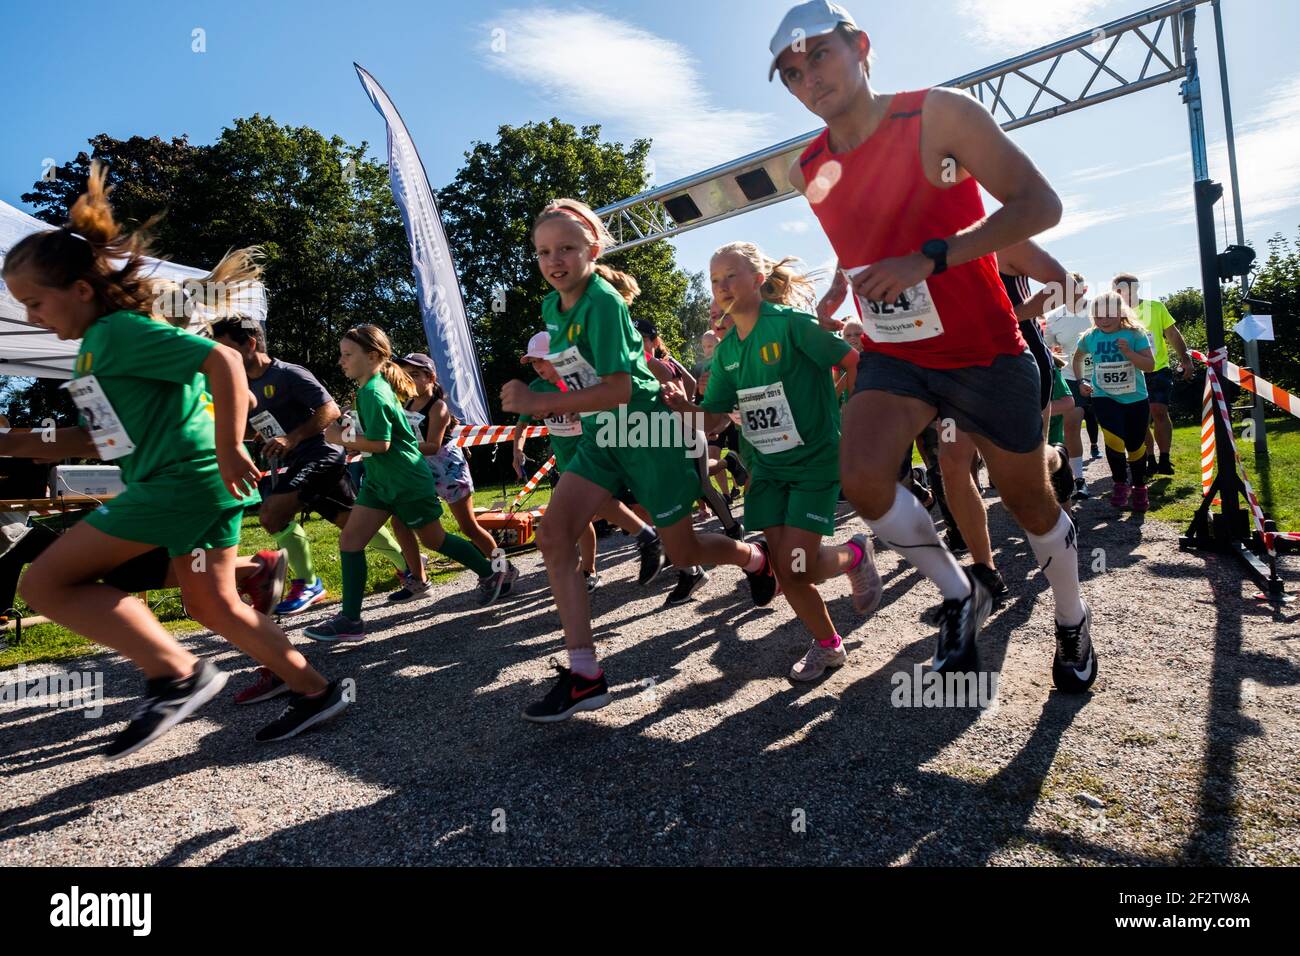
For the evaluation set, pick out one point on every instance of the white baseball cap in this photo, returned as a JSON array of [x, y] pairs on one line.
[[539, 347], [812, 19]]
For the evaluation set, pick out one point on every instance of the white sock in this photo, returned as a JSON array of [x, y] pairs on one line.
[[582, 661], [1058, 556], [909, 530], [1076, 465]]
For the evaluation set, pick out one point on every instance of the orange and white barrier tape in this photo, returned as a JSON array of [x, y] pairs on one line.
[[533, 482], [1253, 383], [474, 435]]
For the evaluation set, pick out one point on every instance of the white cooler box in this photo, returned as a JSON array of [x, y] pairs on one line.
[[97, 481]]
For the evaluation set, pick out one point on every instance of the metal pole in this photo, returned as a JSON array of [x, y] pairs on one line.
[[1252, 348]]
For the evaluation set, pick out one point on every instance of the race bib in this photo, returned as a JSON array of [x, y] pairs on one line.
[[766, 419], [351, 424], [912, 317], [415, 420], [1117, 378], [266, 426], [106, 429], [575, 371], [564, 426], [1087, 365]]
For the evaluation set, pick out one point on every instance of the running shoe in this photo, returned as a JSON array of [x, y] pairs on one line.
[[412, 587], [956, 543], [1151, 465], [593, 580], [166, 703], [508, 582], [1081, 492], [301, 596], [762, 583], [960, 621], [1141, 499], [864, 580], [734, 494], [652, 560], [264, 687], [818, 660], [992, 579], [304, 712], [1096, 452], [1165, 467], [264, 588], [570, 694], [1119, 495], [1062, 475], [1074, 669], [336, 629], [687, 584], [490, 587]]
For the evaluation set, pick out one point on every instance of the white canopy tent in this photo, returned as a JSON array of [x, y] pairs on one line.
[[26, 350]]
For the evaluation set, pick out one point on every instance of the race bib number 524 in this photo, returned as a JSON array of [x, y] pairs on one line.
[[911, 317]]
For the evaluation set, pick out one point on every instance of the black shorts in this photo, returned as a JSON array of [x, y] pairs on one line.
[[998, 401], [1033, 333], [1160, 386], [625, 495], [1083, 401], [320, 478], [145, 572]]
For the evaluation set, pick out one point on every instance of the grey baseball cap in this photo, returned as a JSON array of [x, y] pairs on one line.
[[812, 19]]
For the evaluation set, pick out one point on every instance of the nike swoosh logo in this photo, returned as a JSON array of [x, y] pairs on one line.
[[1087, 672], [573, 693]]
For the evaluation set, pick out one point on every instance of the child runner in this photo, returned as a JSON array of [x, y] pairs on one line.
[[599, 356], [1120, 349], [398, 481], [188, 478], [776, 366], [1063, 328]]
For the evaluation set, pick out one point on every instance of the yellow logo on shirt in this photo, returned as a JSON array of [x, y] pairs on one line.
[[268, 391], [770, 353], [84, 361], [574, 332]]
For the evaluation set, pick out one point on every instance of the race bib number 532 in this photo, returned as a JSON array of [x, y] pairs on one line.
[[766, 418]]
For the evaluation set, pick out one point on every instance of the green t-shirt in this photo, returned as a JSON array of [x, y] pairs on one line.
[[596, 338], [1056, 426], [779, 377], [149, 373], [1155, 318], [562, 443], [400, 472], [1121, 381]]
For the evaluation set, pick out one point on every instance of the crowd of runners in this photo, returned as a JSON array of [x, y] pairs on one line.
[[953, 358]]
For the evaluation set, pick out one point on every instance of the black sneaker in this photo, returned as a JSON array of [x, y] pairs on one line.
[[166, 703], [734, 494], [959, 624], [570, 694], [1074, 668], [956, 543], [762, 584], [1081, 492], [687, 584], [736, 532], [1062, 475], [1096, 452], [992, 579], [1165, 467], [652, 561], [736, 468], [304, 712]]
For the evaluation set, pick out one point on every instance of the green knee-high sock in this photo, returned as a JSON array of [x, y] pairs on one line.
[[294, 540], [385, 545], [354, 583], [462, 552]]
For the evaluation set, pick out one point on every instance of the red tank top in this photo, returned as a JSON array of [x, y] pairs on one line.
[[875, 203]]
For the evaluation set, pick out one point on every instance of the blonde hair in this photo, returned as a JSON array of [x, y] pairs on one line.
[[371, 338], [1109, 305], [578, 211], [783, 285], [238, 269], [92, 248]]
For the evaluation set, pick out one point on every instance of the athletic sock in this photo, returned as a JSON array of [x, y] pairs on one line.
[[385, 545], [834, 642], [462, 552], [756, 559], [909, 530], [647, 535], [1058, 556], [294, 540], [859, 555], [582, 661], [1076, 465], [354, 582]]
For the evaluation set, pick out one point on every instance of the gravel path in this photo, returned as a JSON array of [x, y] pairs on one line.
[[1185, 753]]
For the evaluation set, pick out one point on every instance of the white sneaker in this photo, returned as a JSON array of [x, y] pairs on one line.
[[864, 580], [817, 660]]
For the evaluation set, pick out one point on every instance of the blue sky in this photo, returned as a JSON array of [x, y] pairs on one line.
[[689, 74]]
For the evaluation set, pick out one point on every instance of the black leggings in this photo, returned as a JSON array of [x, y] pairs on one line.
[[1124, 426], [143, 573]]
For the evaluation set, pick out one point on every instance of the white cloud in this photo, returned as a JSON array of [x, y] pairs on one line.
[[1077, 216], [797, 226], [618, 74], [1023, 25], [1095, 174]]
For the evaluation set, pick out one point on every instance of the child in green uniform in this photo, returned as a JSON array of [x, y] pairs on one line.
[[775, 366], [139, 383], [599, 356], [398, 481]]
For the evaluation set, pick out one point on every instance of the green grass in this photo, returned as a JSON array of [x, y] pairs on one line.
[[50, 642]]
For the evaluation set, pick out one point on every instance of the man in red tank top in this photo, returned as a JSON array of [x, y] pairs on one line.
[[894, 181]]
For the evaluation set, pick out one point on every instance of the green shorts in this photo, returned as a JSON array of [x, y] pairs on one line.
[[135, 516], [414, 511], [664, 480], [563, 449], [810, 505]]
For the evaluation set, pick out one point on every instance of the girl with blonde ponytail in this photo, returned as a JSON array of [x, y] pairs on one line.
[[143, 389], [601, 362], [398, 482]]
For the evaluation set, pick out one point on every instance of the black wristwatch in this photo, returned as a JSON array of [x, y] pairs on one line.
[[936, 250]]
